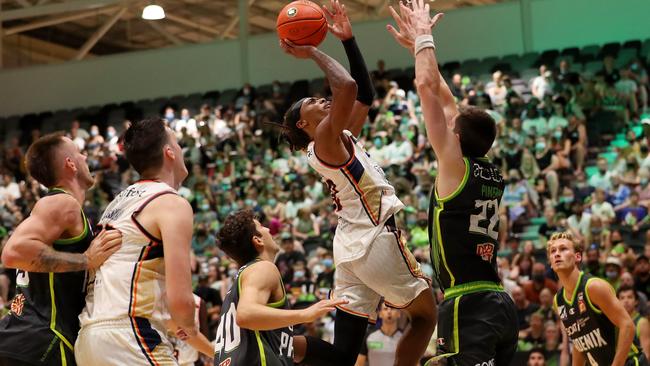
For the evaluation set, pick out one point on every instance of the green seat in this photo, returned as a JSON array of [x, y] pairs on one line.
[[609, 156], [537, 220], [620, 143], [590, 171]]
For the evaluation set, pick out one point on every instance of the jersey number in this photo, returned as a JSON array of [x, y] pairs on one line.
[[592, 362], [228, 335], [475, 221]]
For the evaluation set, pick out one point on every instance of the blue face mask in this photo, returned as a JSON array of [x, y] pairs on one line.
[[248, 202], [298, 274], [557, 134], [169, 117], [328, 262], [272, 202], [540, 146]]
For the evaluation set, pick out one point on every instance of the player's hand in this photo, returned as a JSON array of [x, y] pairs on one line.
[[103, 246], [321, 308], [339, 22], [296, 50], [412, 23]]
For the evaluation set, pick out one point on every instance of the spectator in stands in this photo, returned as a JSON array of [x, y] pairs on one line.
[[642, 275], [631, 216], [546, 307], [534, 337], [497, 91], [630, 301], [613, 270], [542, 85], [525, 309], [209, 295], [619, 193], [538, 282], [456, 87], [579, 222], [602, 209], [534, 123], [536, 357], [380, 345], [576, 135], [609, 71], [553, 342]]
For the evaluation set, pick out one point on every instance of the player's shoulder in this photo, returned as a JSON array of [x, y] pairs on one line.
[[262, 273], [262, 267], [170, 200], [59, 207]]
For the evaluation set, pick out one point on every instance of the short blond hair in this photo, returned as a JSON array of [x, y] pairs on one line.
[[566, 235]]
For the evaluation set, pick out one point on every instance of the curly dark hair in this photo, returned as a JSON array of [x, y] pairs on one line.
[[143, 144], [296, 137], [236, 236], [40, 158], [477, 131]]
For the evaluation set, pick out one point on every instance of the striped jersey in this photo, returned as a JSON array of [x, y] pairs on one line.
[[363, 199], [131, 283], [43, 323]]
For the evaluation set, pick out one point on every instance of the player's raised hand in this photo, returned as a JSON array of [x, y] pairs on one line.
[[339, 22], [411, 22], [321, 308], [103, 246], [295, 50]]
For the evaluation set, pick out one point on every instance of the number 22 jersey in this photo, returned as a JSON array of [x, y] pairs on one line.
[[235, 346], [464, 226]]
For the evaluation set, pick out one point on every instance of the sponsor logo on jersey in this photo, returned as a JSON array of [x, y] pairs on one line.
[[18, 304], [582, 306], [589, 341], [485, 251], [562, 310], [226, 362], [440, 341]]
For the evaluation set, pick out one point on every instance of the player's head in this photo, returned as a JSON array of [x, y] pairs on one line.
[[54, 160], [243, 238], [628, 297], [564, 253], [151, 148], [301, 120], [476, 131], [536, 357]]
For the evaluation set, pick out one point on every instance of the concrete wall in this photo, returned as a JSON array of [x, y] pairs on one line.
[[476, 32]]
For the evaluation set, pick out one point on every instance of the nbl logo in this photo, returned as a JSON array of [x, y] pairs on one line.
[[485, 251], [292, 12]]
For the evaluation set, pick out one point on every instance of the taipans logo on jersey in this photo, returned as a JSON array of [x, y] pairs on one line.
[[562, 310], [226, 362], [292, 12], [440, 341], [485, 251], [18, 304]]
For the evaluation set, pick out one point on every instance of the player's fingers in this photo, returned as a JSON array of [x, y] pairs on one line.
[[398, 37], [328, 12], [436, 19], [395, 16], [337, 302]]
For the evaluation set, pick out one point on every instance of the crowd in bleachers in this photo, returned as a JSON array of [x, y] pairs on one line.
[[570, 144]]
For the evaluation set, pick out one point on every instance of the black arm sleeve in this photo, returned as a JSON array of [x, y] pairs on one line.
[[359, 72]]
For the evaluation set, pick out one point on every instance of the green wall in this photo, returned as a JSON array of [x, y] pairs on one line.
[[476, 32]]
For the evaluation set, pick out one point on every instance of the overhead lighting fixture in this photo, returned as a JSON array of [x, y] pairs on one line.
[[153, 12]]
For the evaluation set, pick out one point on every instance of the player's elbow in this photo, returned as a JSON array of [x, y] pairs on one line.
[[181, 308], [245, 318], [10, 256], [426, 84]]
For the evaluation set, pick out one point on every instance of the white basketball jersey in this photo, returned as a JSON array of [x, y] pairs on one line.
[[131, 283], [363, 199]]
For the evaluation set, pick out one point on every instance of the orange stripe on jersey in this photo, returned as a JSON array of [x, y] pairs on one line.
[[348, 174], [134, 294]]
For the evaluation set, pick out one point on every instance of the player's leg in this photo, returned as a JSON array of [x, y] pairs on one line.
[[351, 323], [392, 271], [507, 348]]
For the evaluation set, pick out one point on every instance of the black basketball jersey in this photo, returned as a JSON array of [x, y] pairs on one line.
[[591, 332], [44, 313], [235, 346], [464, 227]]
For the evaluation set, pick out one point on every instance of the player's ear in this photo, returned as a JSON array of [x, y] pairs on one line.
[[301, 124], [258, 243]]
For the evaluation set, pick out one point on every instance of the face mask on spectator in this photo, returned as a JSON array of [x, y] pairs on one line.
[[643, 181], [410, 221], [298, 274], [611, 274], [110, 134], [94, 132], [327, 262], [422, 222], [169, 116], [272, 202], [557, 134], [540, 146]]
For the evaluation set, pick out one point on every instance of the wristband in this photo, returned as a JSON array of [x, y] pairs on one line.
[[424, 41]]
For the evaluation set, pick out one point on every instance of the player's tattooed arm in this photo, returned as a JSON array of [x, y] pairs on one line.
[[30, 246]]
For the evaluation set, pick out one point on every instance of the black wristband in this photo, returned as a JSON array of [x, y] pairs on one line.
[[359, 72]]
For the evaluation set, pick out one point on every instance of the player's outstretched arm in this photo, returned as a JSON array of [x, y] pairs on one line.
[[173, 216], [438, 107], [257, 283], [603, 297], [341, 27], [344, 93], [30, 246]]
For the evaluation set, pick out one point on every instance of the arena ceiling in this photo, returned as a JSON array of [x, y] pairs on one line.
[[52, 31]]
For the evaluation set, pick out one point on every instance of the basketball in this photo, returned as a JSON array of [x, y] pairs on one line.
[[302, 22]]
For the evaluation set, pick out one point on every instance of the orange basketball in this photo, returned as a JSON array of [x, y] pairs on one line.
[[302, 22]]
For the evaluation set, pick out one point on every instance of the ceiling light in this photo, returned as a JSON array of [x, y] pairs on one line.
[[153, 12]]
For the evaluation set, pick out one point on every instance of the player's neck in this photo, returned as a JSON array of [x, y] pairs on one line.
[[266, 256], [74, 189], [162, 177], [569, 281]]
